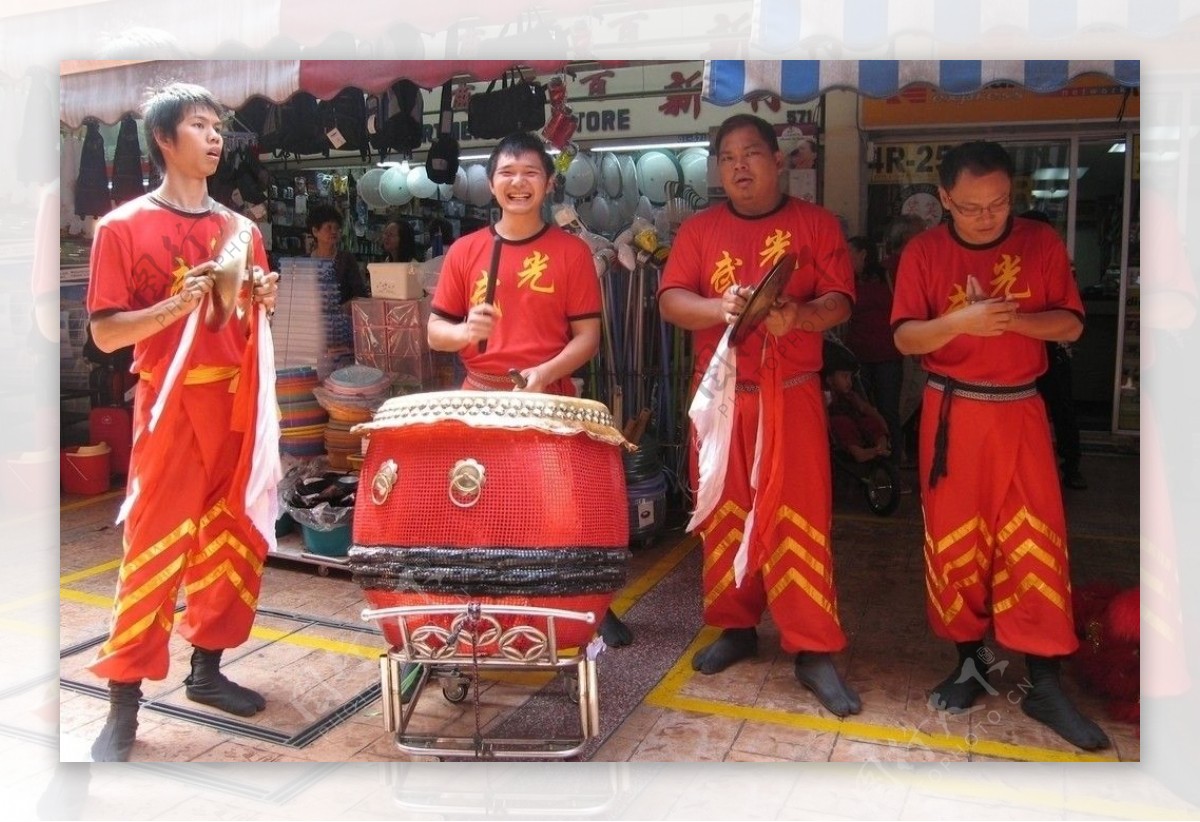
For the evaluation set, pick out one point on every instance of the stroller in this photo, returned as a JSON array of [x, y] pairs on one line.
[[878, 477]]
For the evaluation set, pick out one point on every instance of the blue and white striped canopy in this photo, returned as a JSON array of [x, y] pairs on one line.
[[795, 81]]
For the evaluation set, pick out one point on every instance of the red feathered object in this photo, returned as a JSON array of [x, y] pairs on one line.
[[1108, 622]]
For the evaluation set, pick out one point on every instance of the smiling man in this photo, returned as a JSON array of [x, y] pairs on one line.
[[978, 298], [716, 260], [543, 318]]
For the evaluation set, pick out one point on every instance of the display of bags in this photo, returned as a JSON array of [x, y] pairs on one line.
[[496, 113], [294, 128]]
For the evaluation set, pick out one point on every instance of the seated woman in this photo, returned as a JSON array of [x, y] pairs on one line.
[[856, 426]]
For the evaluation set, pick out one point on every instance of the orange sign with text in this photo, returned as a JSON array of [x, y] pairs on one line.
[[1089, 97]]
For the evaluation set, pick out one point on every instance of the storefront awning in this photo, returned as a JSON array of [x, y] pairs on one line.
[[796, 81], [108, 93]]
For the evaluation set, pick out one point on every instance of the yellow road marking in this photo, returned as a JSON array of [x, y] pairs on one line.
[[89, 501], [667, 694], [103, 567]]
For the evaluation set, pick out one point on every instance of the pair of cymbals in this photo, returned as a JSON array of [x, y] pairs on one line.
[[231, 272]]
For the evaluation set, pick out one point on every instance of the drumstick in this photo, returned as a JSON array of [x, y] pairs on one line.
[[490, 292]]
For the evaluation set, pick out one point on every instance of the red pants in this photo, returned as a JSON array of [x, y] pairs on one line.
[[796, 581], [995, 532], [179, 532]]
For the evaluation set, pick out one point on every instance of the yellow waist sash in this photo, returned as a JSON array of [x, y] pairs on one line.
[[204, 374]]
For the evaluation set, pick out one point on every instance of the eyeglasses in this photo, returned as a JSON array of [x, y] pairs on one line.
[[972, 211]]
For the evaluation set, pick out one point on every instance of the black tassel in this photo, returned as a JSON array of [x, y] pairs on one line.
[[941, 438]]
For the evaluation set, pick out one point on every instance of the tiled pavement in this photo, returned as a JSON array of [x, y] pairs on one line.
[[310, 654]]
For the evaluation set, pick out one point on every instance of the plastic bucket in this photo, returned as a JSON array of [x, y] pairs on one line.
[[647, 506], [335, 543], [86, 469]]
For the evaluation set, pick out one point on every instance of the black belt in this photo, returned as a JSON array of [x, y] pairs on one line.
[[950, 387]]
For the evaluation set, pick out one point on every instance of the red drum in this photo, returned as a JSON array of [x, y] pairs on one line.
[[502, 498]]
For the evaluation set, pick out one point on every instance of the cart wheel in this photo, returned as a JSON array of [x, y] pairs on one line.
[[455, 692], [882, 487], [322, 570]]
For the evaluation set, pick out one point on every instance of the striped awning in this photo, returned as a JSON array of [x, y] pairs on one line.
[[107, 90], [796, 81]]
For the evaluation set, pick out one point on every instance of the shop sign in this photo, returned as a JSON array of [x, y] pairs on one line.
[[623, 103], [1086, 98], [907, 163]]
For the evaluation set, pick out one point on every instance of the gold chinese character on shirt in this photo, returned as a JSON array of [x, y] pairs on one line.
[[774, 247], [725, 273], [1006, 278], [535, 266]]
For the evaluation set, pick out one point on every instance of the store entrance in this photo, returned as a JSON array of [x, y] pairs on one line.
[[1099, 233]]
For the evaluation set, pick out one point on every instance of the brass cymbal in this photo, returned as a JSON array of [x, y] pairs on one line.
[[231, 271]]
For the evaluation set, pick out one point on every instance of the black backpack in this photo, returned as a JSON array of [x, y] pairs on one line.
[[398, 119], [294, 128], [347, 113]]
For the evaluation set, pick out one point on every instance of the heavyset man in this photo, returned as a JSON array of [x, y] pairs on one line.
[[766, 547]]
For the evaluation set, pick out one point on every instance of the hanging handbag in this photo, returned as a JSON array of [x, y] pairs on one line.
[[442, 163], [92, 198], [127, 163], [496, 113]]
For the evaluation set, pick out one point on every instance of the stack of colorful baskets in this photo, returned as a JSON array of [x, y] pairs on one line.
[[302, 419], [350, 395]]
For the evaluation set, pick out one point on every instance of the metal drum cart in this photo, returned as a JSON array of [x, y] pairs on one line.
[[454, 656]]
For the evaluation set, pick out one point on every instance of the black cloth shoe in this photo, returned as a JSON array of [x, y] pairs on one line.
[[815, 671], [208, 686], [1047, 703], [733, 644], [614, 632], [116, 737], [965, 684]]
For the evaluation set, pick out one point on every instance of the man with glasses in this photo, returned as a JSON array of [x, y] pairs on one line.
[[978, 298]]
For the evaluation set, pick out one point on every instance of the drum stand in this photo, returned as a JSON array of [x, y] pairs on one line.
[[452, 652]]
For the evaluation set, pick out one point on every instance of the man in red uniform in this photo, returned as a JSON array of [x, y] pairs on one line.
[[196, 422], [544, 318], [978, 298], [717, 257]]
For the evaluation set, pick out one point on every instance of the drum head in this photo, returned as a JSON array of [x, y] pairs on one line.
[[368, 188], [656, 169], [419, 183], [461, 191], [394, 188], [760, 303], [610, 175], [513, 410], [477, 185], [580, 179]]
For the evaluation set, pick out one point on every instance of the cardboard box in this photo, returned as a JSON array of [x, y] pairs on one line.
[[395, 281]]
